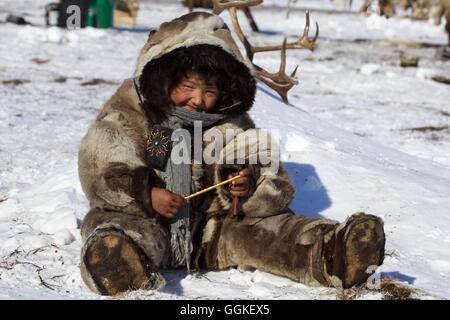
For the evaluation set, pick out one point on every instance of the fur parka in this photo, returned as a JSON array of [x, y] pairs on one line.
[[117, 180], [112, 167]]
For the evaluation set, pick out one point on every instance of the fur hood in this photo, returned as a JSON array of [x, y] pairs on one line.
[[192, 41]]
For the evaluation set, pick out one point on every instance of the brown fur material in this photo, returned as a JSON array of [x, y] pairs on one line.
[[116, 264], [283, 244], [117, 182], [362, 244], [158, 74]]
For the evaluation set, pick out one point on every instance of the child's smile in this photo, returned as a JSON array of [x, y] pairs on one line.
[[194, 94]]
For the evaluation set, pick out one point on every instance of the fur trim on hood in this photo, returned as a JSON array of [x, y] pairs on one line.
[[193, 41]]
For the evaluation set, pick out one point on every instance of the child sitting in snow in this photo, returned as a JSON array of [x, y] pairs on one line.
[[189, 73]]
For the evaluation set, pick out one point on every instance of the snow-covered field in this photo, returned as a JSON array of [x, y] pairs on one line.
[[351, 140]]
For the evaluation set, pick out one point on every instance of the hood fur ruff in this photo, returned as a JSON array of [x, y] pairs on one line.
[[193, 40]]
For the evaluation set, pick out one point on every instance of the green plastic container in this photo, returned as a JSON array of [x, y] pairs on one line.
[[101, 14]]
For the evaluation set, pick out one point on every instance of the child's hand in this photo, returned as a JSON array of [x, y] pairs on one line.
[[241, 186], [166, 203]]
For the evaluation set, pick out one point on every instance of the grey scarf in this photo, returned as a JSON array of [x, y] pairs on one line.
[[178, 177]]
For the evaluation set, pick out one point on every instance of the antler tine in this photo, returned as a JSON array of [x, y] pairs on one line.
[[306, 29], [220, 6], [280, 82], [294, 72], [304, 41], [283, 57], [240, 34]]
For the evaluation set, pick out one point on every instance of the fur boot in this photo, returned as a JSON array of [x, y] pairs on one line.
[[122, 252], [355, 251], [116, 264], [316, 252]]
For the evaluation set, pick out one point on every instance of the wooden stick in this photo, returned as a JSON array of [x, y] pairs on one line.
[[234, 206], [210, 188]]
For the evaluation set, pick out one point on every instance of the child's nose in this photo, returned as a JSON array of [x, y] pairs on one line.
[[197, 97]]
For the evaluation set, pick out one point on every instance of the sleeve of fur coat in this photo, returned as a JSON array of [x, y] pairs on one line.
[[112, 171], [270, 193]]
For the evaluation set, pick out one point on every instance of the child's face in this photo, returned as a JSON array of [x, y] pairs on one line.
[[194, 94]]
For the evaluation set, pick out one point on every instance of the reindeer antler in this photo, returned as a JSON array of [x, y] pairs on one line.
[[220, 5], [280, 82], [304, 42]]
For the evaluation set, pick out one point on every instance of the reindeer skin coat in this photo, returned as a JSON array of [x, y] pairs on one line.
[[117, 180]]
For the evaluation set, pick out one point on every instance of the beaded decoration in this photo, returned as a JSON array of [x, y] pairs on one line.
[[158, 142]]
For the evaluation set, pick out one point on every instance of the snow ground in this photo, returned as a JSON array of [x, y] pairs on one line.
[[344, 139]]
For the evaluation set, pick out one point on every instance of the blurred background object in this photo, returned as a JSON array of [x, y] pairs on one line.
[[385, 8], [101, 14], [16, 20], [126, 12], [93, 13], [208, 4], [439, 9]]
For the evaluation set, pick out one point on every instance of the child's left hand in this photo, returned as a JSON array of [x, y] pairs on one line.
[[240, 187]]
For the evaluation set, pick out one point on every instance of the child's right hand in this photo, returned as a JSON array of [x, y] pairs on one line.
[[166, 203]]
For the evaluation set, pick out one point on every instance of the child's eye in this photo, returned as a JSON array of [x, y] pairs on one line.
[[212, 93], [187, 86]]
